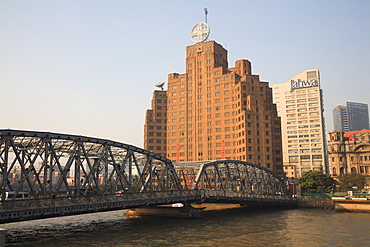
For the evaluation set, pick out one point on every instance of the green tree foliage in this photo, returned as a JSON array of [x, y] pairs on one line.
[[350, 180], [316, 180]]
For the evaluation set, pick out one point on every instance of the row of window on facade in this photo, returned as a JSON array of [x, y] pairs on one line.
[[313, 150], [226, 144], [227, 151], [292, 97], [190, 105], [208, 61], [352, 158], [209, 88], [304, 145], [342, 170], [157, 134], [217, 108], [227, 136], [301, 100], [219, 122], [303, 114], [304, 131], [303, 105], [226, 129], [298, 91], [216, 94], [354, 138], [218, 137], [306, 136], [296, 158], [151, 127], [301, 122], [157, 148], [209, 81], [351, 148], [174, 120], [191, 51], [200, 69], [301, 110]]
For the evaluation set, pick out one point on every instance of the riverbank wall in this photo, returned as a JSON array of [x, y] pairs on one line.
[[316, 202], [339, 204], [355, 205]]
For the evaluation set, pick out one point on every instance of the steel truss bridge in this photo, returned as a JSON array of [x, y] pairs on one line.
[[46, 174]]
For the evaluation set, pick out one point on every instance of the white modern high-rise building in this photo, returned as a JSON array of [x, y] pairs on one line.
[[300, 105]]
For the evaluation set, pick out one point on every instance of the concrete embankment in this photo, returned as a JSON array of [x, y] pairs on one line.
[[217, 206], [316, 202], [354, 205], [339, 204]]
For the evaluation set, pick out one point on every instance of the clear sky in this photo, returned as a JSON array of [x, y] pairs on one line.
[[89, 67]]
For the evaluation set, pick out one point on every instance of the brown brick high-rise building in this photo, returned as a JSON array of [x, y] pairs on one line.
[[155, 136], [213, 112]]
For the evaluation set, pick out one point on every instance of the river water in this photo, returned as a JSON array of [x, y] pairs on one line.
[[237, 227]]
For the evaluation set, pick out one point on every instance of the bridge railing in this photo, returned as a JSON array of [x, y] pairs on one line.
[[229, 194], [153, 197]]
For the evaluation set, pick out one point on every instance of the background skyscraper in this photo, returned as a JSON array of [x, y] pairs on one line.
[[351, 116]]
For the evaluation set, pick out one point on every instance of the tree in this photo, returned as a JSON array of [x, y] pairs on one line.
[[350, 180], [316, 180]]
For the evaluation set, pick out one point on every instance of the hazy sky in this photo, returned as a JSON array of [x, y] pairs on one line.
[[89, 67]]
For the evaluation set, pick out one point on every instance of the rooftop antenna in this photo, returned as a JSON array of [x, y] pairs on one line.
[[205, 13]]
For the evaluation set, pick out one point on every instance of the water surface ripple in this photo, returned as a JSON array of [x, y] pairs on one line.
[[241, 227]]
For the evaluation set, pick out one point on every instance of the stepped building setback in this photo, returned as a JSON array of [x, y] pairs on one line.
[[213, 112]]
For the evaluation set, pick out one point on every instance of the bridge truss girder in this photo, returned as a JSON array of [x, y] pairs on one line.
[[239, 176], [48, 165]]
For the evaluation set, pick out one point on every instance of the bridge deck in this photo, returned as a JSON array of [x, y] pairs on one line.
[[52, 207]]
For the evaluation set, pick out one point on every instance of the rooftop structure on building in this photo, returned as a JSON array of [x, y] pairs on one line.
[[300, 105], [214, 112]]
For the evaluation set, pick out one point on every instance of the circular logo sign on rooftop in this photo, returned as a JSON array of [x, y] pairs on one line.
[[200, 32]]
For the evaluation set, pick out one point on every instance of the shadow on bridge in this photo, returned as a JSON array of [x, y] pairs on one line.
[[67, 174]]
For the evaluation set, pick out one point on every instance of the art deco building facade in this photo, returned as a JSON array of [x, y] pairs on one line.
[[351, 116], [349, 152], [214, 112], [155, 128], [300, 106]]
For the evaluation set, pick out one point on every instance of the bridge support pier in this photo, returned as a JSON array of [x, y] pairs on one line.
[[2, 237]]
